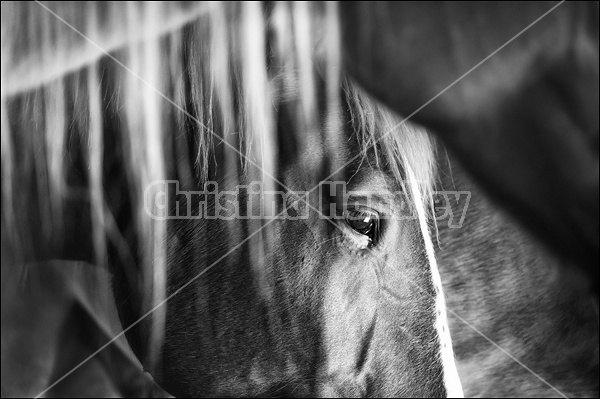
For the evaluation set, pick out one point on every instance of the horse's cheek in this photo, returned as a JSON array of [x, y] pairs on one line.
[[349, 308]]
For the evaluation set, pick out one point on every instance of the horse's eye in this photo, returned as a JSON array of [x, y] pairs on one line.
[[365, 222]]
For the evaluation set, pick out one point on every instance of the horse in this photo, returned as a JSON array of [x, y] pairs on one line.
[[121, 150], [340, 297]]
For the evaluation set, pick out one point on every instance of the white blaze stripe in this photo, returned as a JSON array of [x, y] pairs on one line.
[[451, 378]]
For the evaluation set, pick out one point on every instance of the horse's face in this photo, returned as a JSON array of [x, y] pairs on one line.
[[372, 297], [336, 301]]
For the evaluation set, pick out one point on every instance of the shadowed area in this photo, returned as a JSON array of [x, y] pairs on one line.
[[55, 315], [524, 123], [502, 282]]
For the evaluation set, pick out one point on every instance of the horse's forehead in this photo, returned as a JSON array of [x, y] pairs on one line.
[[356, 171]]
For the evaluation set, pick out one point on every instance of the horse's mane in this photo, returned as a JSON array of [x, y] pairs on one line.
[[200, 66]]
